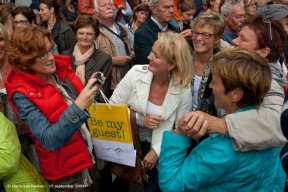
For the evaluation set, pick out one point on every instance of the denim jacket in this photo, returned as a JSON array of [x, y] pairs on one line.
[[50, 136]]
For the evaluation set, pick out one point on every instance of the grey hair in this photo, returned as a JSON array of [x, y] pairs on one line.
[[95, 4], [153, 2], [227, 6]]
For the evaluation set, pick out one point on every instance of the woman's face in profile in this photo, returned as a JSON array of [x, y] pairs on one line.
[[158, 64], [247, 39], [222, 100], [45, 13], [44, 64]]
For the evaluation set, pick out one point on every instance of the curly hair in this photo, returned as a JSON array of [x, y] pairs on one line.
[[25, 45]]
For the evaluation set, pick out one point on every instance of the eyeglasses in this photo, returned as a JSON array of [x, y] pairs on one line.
[[45, 55], [87, 34], [270, 30], [249, 5], [203, 35], [21, 22]]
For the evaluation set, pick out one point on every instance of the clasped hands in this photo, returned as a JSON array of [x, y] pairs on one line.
[[195, 124]]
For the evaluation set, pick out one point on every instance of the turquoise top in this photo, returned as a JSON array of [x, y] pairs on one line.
[[215, 166]]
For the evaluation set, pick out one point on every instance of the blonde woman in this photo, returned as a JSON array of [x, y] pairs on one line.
[[160, 94]]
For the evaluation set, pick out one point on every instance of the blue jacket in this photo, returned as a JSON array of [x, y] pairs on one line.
[[214, 166]]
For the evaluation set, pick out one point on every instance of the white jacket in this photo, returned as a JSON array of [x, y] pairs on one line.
[[134, 90]]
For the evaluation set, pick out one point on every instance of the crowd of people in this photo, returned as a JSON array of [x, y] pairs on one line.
[[207, 80]]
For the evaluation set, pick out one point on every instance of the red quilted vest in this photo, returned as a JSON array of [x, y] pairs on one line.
[[71, 157]]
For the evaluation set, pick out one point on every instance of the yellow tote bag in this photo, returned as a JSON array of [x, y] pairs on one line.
[[109, 125]]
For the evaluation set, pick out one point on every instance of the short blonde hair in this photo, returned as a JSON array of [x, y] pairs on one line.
[[213, 19], [175, 50], [244, 69]]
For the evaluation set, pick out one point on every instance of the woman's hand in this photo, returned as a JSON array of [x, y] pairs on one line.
[[150, 159], [193, 124], [187, 34], [87, 95], [152, 121]]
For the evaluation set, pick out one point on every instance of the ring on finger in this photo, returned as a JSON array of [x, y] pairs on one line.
[[92, 89], [186, 128]]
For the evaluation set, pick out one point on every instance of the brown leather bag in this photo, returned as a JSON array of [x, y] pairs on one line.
[[132, 174]]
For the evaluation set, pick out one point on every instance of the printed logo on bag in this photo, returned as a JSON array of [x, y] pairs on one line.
[[110, 124]]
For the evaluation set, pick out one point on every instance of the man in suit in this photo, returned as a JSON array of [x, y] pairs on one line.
[[146, 35]]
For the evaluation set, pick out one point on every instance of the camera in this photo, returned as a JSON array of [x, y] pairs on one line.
[[98, 79]]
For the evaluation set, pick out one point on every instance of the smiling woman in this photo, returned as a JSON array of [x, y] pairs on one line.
[[85, 58], [214, 165], [160, 94], [53, 112], [208, 29]]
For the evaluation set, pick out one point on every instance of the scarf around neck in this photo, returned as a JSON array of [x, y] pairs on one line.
[[80, 60]]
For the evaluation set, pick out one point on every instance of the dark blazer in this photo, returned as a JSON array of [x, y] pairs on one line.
[[99, 61], [144, 38]]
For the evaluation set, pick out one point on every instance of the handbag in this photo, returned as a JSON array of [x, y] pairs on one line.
[[138, 173]]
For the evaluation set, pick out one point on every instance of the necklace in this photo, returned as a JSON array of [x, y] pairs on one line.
[[52, 26]]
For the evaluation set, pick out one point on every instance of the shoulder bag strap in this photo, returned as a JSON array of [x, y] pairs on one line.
[[71, 86], [135, 133], [122, 34]]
